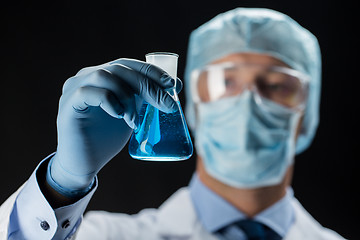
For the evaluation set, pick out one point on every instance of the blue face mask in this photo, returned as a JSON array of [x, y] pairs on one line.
[[244, 143]]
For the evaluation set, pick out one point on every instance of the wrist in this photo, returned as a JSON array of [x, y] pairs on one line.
[[65, 183]]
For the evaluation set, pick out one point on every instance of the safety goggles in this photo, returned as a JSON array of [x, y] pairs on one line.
[[282, 85]]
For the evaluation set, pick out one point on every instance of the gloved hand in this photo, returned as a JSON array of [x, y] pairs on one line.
[[97, 114]]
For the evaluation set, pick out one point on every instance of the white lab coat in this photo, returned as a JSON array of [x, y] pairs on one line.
[[174, 220]]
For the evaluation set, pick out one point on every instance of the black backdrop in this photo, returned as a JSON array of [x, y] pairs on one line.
[[44, 44]]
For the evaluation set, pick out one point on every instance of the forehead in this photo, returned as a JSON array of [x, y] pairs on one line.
[[251, 58]]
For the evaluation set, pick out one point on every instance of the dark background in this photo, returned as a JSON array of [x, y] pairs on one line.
[[44, 44]]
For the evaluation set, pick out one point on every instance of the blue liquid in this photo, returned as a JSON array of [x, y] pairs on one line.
[[161, 136]]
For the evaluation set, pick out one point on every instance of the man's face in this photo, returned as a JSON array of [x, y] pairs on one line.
[[258, 72]]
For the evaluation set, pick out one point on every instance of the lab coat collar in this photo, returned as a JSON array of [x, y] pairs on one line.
[[305, 226], [176, 216]]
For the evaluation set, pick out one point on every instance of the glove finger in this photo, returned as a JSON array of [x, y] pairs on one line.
[[153, 72], [179, 85], [100, 97], [145, 87]]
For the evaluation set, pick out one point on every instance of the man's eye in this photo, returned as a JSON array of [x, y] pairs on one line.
[[229, 82], [275, 87]]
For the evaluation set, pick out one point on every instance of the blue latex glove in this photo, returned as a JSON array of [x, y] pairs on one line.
[[97, 114]]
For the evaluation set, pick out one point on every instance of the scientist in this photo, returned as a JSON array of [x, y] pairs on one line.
[[252, 84]]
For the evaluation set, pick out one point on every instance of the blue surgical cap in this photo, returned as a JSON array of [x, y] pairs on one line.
[[264, 31]]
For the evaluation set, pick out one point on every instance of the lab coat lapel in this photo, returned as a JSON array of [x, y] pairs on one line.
[[305, 226]]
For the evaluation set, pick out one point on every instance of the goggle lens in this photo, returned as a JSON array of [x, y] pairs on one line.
[[281, 85]]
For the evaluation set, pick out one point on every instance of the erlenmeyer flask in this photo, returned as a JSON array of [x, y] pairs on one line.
[[161, 136]]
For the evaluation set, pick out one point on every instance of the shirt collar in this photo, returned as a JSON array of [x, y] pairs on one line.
[[214, 212]]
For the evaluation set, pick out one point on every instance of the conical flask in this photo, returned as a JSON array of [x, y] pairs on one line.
[[161, 136]]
